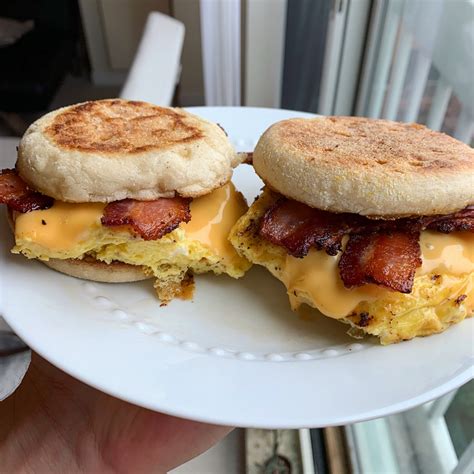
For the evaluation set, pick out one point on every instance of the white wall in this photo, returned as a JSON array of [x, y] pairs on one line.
[[264, 52], [192, 84]]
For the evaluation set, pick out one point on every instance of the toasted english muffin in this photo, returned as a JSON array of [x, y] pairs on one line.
[[367, 220], [89, 268], [364, 166], [167, 287], [119, 191], [107, 150]]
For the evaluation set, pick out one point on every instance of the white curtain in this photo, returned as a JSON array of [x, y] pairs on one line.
[[220, 33]]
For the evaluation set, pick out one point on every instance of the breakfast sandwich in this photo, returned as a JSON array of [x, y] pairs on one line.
[[369, 221], [120, 191]]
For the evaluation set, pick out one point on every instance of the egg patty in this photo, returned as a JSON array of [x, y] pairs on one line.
[[74, 231], [442, 294]]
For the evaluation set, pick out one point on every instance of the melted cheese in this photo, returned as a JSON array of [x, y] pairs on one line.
[[65, 225], [61, 227], [212, 218], [316, 276], [447, 253]]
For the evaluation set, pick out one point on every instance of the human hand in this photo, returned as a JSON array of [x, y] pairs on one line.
[[54, 423]]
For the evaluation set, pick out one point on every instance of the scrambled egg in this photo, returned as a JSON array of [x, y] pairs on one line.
[[443, 291], [74, 231]]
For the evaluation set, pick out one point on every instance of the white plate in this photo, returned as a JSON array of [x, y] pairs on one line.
[[236, 355]]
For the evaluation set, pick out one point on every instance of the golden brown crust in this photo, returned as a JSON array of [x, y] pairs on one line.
[[168, 290], [360, 142], [116, 125], [108, 150], [366, 166]]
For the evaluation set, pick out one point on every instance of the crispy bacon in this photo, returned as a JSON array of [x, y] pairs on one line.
[[16, 194], [384, 252], [249, 158], [298, 227], [462, 220], [388, 259], [151, 220]]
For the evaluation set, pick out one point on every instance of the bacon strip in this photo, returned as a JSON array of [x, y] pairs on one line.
[[16, 194], [151, 220], [384, 252], [298, 227], [462, 220], [386, 259]]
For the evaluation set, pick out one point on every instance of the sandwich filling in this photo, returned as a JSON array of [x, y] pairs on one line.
[[384, 252], [167, 237], [396, 279]]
